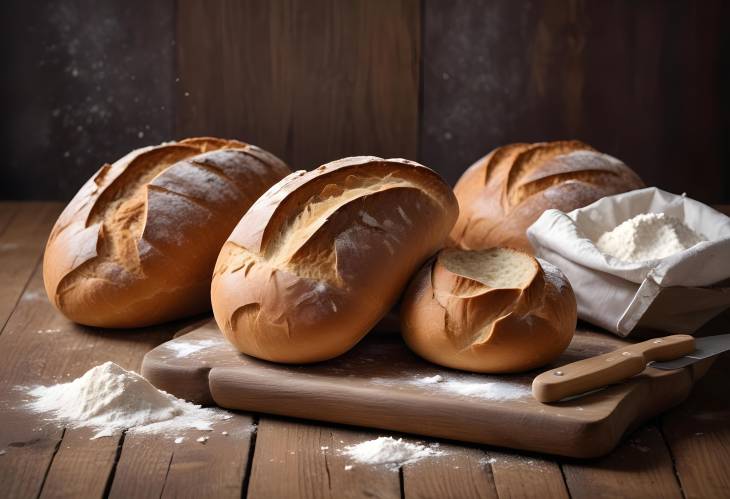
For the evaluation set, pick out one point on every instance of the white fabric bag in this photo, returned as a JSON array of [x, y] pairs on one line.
[[676, 294]]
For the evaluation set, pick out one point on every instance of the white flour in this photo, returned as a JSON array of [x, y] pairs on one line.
[[491, 391], [390, 452], [428, 380], [497, 391], [648, 236], [109, 399], [187, 348]]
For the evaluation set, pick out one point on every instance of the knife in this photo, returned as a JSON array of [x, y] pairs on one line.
[[670, 352]]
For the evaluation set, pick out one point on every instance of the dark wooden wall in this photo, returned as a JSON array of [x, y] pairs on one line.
[[84, 81], [314, 80], [646, 81]]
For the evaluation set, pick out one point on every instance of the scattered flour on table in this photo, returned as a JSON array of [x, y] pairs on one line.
[[390, 452], [184, 349], [487, 390], [648, 236], [429, 380], [53, 330], [32, 295], [109, 399]]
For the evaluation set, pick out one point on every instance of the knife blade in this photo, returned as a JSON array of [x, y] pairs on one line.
[[670, 352], [705, 347]]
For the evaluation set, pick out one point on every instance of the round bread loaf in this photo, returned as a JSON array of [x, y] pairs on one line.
[[502, 194], [496, 311], [137, 244], [323, 255]]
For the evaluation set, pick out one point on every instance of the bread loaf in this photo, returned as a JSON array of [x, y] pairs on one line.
[[495, 311], [502, 194], [323, 255], [137, 244]]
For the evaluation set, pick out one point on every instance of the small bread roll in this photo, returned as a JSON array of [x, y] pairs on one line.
[[322, 256], [137, 244], [502, 194], [491, 311]]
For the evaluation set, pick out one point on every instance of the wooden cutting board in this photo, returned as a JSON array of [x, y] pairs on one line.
[[381, 384]]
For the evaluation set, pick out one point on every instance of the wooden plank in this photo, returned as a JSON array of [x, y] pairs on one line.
[[463, 472], [297, 460], [215, 468], [698, 435], [8, 209], [25, 349], [154, 466], [524, 475], [28, 454], [381, 390], [309, 81], [640, 467], [142, 467], [28, 449], [498, 71], [39, 346], [21, 246], [470, 472], [84, 83], [78, 468]]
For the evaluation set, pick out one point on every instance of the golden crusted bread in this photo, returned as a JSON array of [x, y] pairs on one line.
[[137, 244], [502, 194], [497, 310], [323, 255]]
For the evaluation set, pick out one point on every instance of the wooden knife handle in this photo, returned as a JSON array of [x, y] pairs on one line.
[[619, 365]]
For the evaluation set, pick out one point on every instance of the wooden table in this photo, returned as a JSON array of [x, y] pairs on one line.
[[686, 452]]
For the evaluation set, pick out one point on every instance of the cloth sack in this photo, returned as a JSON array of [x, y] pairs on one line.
[[676, 294]]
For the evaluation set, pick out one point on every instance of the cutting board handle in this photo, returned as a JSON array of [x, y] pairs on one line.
[[619, 365]]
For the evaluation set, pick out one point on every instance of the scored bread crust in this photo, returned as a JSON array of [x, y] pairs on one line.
[[323, 255], [502, 194], [459, 322], [137, 244]]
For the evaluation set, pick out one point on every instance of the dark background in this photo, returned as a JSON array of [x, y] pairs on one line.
[[440, 81]]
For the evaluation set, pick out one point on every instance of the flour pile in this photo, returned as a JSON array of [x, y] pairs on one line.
[[648, 236], [390, 452], [109, 399]]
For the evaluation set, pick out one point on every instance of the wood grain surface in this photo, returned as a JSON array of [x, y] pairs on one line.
[[642, 81], [698, 434], [7, 212], [39, 346], [307, 460], [526, 475], [309, 81], [376, 385], [23, 234], [468, 475], [645, 466], [687, 446], [78, 455], [443, 82]]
